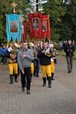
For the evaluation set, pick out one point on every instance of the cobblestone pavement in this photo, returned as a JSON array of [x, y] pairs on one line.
[[60, 99]]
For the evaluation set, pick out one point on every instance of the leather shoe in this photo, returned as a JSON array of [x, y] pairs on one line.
[[28, 91]]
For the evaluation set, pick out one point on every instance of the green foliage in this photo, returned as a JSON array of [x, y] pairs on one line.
[[65, 32], [56, 11], [63, 19], [71, 18], [54, 35]]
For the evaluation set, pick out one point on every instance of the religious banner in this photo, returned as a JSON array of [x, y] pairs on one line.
[[39, 26], [13, 27], [45, 31], [35, 25]]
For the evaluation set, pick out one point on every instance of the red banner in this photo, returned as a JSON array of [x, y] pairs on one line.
[[35, 25], [45, 31], [39, 26]]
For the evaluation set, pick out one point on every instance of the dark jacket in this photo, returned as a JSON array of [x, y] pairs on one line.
[[44, 59], [69, 50]]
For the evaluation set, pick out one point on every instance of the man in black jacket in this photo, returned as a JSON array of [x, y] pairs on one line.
[[44, 55], [69, 50]]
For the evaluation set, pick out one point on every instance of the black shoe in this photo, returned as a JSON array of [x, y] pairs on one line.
[[44, 84], [69, 71], [49, 86], [52, 78], [49, 82], [11, 82], [37, 76], [23, 89], [15, 76], [28, 91], [11, 79], [16, 80]]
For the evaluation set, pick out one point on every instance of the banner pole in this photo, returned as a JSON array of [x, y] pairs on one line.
[[21, 20], [37, 5]]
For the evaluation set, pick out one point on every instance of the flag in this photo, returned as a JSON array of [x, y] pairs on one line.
[[35, 25], [39, 26], [13, 27], [45, 31]]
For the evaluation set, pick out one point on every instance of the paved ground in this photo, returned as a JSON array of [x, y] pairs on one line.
[[60, 99]]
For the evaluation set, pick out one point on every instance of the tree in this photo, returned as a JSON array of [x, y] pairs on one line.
[[69, 19], [56, 11], [62, 19], [72, 13]]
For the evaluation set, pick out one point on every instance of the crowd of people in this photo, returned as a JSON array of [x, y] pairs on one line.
[[27, 59], [61, 44]]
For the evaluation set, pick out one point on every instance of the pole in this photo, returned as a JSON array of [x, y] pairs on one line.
[[22, 19], [36, 5]]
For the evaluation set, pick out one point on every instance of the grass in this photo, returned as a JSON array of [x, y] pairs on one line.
[[63, 53], [75, 54]]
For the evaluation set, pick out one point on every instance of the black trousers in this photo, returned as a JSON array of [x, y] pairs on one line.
[[4, 59], [23, 80], [69, 63], [36, 67], [26, 78]]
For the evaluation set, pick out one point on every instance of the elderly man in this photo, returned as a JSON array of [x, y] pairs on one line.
[[25, 56]]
